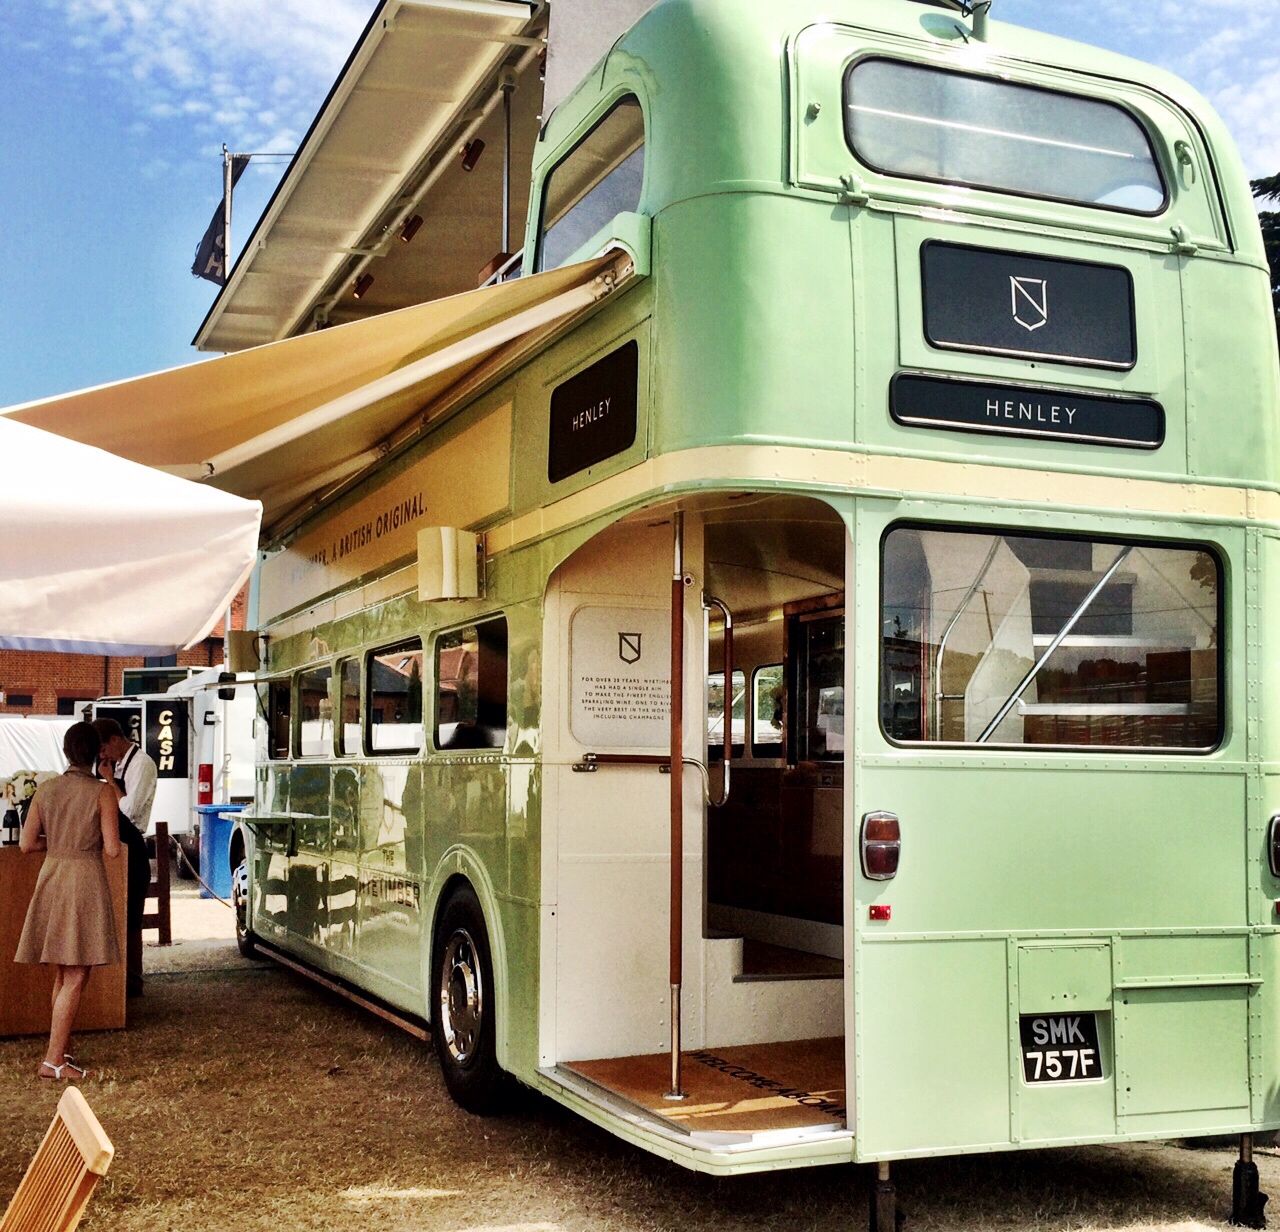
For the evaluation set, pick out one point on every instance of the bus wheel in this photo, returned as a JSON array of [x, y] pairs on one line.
[[462, 1009], [245, 938]]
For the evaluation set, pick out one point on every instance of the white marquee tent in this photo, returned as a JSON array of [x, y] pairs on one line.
[[101, 555]]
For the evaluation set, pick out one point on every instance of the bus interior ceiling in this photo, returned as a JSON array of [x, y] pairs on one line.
[[763, 991]]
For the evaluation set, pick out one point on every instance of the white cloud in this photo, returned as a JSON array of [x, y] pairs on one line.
[[1227, 49], [254, 69]]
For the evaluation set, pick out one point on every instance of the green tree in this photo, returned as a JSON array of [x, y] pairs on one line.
[[1268, 189]]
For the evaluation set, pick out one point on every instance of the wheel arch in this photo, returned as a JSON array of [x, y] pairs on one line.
[[459, 868]]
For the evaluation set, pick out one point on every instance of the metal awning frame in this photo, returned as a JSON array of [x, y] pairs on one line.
[[467, 116]]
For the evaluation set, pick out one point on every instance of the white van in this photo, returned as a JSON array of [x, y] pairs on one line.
[[202, 746]]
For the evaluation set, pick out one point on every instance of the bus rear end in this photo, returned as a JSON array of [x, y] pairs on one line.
[[1061, 920]]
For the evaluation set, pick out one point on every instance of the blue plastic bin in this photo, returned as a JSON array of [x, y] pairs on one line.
[[215, 847]]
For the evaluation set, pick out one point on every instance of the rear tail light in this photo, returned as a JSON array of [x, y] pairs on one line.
[[881, 846], [204, 784], [1273, 845]]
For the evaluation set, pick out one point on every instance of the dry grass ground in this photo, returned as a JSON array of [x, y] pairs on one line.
[[243, 1099]]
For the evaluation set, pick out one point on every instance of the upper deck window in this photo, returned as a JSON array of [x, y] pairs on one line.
[[597, 180], [930, 124]]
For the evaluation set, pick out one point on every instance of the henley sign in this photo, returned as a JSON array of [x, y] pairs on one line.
[[593, 414], [1009, 303], [1025, 410]]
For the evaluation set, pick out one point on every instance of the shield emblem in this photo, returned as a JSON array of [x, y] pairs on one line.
[[1030, 302], [629, 647]]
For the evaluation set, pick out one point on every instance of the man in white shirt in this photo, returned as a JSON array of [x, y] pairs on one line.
[[133, 774]]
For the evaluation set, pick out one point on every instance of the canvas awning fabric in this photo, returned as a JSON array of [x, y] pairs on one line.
[[99, 555], [290, 419]]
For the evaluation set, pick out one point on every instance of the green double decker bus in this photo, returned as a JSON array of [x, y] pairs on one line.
[[814, 707]]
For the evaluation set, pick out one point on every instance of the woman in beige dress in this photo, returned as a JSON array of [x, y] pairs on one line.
[[70, 923]]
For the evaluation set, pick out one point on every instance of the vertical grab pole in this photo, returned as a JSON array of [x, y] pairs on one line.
[[677, 798]]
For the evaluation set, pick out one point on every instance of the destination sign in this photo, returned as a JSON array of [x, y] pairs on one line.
[[593, 414], [1025, 410], [1008, 303]]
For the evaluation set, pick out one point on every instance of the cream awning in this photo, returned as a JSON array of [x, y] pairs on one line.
[[289, 420]]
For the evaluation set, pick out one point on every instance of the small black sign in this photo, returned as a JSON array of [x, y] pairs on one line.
[[593, 414], [1060, 1048], [1008, 303], [166, 743], [1026, 410]]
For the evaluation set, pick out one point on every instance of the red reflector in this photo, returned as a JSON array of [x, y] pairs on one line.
[[881, 911], [1277, 908], [204, 784]]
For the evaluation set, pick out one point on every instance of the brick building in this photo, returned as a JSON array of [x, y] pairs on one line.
[[45, 682]]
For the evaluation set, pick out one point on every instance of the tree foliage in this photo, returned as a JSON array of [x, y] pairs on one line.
[[1268, 189]]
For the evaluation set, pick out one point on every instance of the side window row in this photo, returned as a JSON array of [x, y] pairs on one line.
[[375, 704]]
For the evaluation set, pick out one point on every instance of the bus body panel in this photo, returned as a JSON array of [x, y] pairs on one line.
[[1128, 885]]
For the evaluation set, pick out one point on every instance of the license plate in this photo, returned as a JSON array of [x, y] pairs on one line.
[[1060, 1048]]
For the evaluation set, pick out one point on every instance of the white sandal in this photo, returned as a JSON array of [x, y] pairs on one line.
[[55, 1069]]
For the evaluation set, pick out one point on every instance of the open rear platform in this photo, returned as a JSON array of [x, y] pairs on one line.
[[747, 1089]]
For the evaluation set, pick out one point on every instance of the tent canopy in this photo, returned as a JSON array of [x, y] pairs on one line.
[[102, 556], [290, 420]]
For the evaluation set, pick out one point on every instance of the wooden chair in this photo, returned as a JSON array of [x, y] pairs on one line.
[[73, 1157]]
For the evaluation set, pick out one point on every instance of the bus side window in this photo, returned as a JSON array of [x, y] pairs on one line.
[[349, 718], [767, 702], [279, 718], [315, 713], [471, 686], [393, 694], [600, 178]]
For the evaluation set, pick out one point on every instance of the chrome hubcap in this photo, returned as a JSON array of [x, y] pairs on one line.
[[461, 997], [240, 894]]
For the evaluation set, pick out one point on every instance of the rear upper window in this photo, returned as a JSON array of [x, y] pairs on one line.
[[600, 178], [931, 124]]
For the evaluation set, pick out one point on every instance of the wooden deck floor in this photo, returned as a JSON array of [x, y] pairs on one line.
[[744, 1089]]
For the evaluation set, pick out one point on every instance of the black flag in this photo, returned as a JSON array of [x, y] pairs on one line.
[[211, 252]]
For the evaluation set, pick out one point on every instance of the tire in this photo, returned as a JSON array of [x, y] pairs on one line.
[[462, 1007], [184, 867], [246, 939]]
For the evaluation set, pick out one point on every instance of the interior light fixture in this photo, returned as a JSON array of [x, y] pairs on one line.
[[363, 283], [471, 153], [410, 228]]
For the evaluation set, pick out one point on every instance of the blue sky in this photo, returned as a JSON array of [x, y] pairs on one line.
[[114, 113]]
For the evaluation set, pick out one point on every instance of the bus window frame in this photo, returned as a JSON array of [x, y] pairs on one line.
[[273, 683], [366, 715], [432, 734], [969, 748], [1154, 143], [780, 745], [295, 737], [579, 136], [339, 725]]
